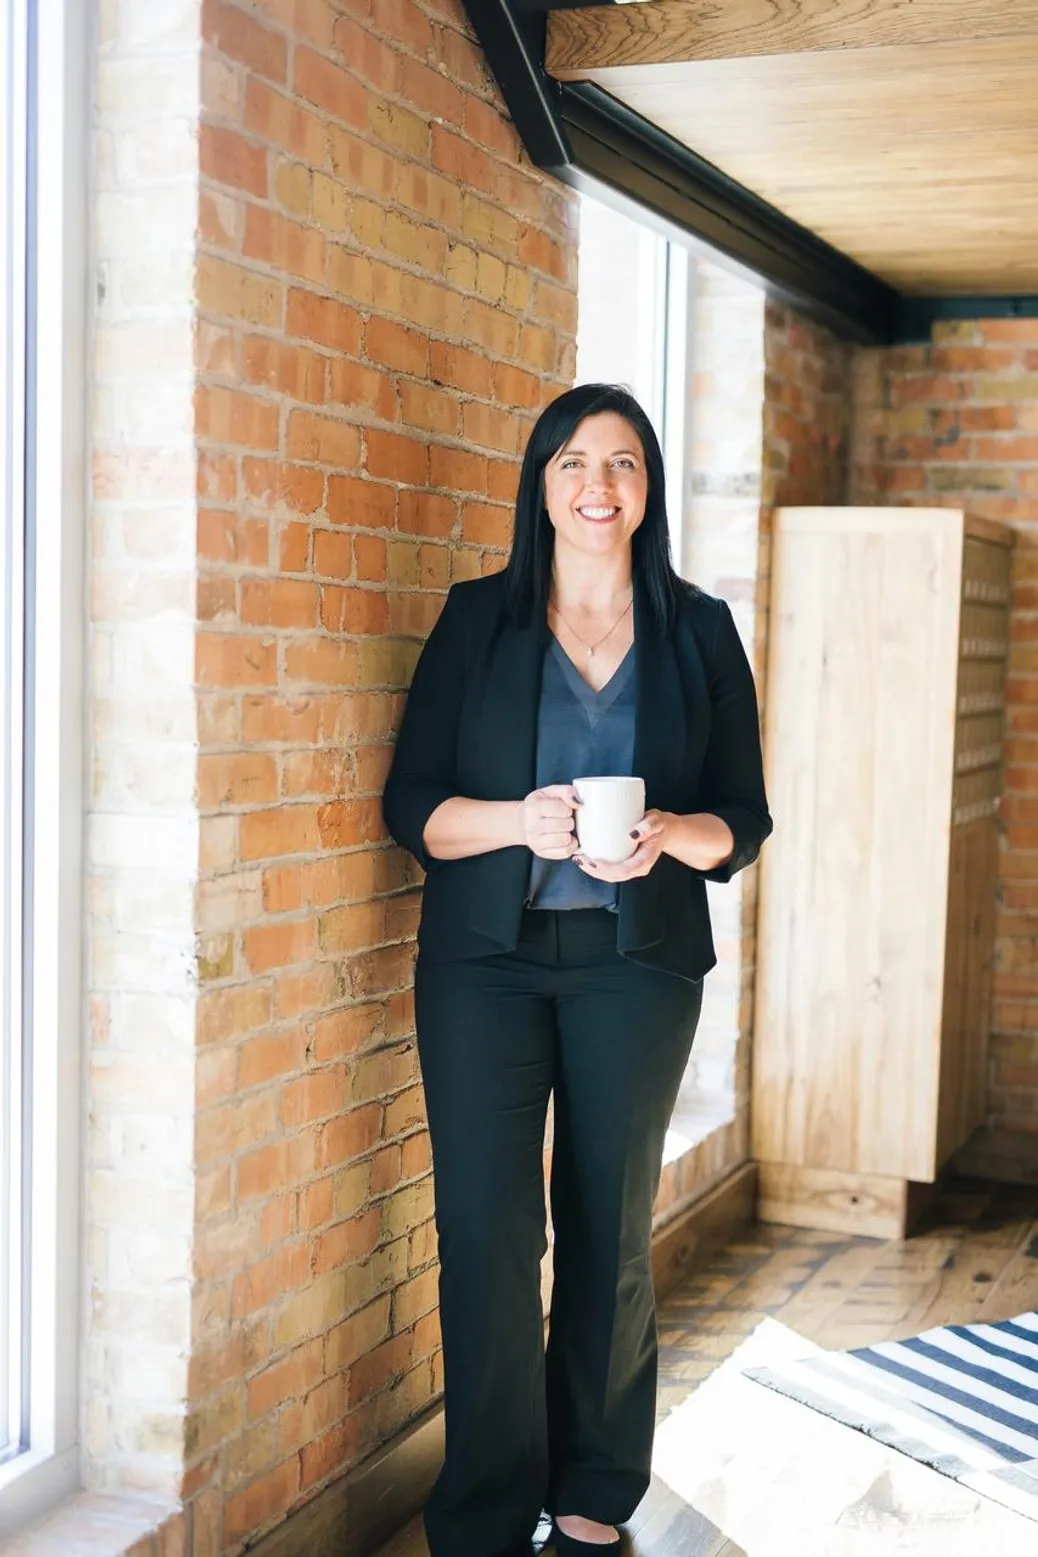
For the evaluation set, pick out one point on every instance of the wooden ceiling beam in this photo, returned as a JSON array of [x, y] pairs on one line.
[[580, 42]]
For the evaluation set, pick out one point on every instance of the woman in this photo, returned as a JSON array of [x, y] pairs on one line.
[[540, 970]]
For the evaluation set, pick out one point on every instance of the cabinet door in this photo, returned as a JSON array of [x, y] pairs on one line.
[[859, 730]]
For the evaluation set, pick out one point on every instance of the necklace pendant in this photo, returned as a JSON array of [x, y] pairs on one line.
[[590, 652]]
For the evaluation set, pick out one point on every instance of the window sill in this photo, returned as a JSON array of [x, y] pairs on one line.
[[30, 1485], [703, 1144], [89, 1524]]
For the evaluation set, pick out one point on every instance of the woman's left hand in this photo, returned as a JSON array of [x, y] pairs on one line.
[[651, 833]]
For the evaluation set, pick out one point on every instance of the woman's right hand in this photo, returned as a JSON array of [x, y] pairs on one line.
[[547, 821]]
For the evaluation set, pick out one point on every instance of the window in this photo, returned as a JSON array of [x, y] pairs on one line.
[[43, 54], [687, 336], [13, 1176], [633, 300]]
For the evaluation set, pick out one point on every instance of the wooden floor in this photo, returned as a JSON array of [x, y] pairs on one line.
[[743, 1472]]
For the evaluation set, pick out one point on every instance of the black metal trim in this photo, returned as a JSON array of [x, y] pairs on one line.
[[916, 316], [626, 153], [592, 142], [588, 140], [514, 47]]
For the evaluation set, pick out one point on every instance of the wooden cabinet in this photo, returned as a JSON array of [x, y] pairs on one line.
[[883, 739]]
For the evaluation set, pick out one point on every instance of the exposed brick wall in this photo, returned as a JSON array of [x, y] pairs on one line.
[[386, 298], [806, 413], [956, 421]]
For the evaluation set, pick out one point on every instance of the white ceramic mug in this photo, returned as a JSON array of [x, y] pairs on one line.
[[609, 808]]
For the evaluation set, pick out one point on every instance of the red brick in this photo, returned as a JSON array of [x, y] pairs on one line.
[[1017, 332], [225, 536], [288, 1379], [287, 245], [293, 548], [485, 125], [460, 369], [314, 1098], [347, 1242], [360, 502], [275, 484], [320, 1457], [1004, 449], [430, 408], [355, 385], [394, 346], [261, 1500], [321, 662], [244, 39], [396, 458], [428, 193], [346, 1032], [279, 945], [349, 1136], [371, 1373], [464, 161], [357, 611], [230, 416], [283, 830], [323, 439], [426, 513], [228, 158], [271, 1168], [267, 1280], [285, 123], [483, 525], [457, 470], [324, 320], [333, 554], [328, 86], [428, 90], [539, 252], [235, 660], [290, 370], [502, 480], [279, 602], [515, 388], [371, 60], [234, 779]]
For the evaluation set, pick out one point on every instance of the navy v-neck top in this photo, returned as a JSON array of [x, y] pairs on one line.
[[581, 733]]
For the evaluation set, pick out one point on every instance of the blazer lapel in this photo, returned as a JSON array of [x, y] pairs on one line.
[[506, 768], [660, 734], [507, 734]]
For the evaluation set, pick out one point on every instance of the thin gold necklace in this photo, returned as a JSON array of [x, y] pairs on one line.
[[591, 647]]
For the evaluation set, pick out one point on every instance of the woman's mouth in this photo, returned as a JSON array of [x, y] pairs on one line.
[[598, 513]]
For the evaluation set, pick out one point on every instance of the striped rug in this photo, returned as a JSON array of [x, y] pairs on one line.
[[962, 1398]]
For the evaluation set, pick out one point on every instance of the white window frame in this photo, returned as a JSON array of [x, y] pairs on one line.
[[59, 140], [656, 368]]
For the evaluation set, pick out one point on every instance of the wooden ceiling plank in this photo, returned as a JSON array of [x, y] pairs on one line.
[[918, 161], [668, 31]]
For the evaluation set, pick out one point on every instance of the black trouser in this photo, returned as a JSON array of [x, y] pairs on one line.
[[571, 1431]]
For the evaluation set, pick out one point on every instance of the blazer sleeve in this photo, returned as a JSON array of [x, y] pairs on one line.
[[732, 780], [422, 774]]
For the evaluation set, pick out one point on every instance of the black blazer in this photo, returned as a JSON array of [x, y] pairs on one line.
[[470, 728]]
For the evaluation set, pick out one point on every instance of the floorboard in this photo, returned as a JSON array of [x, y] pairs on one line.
[[744, 1472]]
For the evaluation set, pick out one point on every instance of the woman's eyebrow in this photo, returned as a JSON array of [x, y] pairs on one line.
[[564, 453]]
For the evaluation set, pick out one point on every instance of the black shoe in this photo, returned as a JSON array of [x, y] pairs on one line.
[[568, 1546]]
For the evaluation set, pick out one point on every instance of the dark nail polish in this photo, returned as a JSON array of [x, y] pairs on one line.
[[634, 832]]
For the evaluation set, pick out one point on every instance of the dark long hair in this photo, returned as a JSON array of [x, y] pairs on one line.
[[528, 574]]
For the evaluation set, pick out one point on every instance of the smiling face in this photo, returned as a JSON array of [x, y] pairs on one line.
[[596, 487]]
